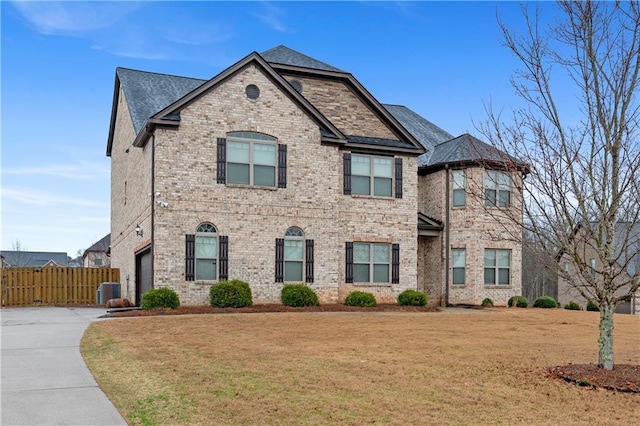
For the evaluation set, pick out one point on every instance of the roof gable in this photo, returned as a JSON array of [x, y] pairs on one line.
[[101, 246], [168, 114]]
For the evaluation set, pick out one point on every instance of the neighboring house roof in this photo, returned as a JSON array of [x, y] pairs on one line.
[[283, 55], [101, 246], [427, 133], [34, 258]]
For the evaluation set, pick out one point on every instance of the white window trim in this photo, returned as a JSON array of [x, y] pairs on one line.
[[371, 263], [302, 262], [206, 234], [463, 188], [464, 268], [497, 268], [493, 178]]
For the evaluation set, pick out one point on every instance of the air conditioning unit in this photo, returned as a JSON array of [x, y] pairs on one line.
[[107, 291]]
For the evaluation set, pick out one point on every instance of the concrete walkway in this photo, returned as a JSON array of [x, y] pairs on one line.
[[44, 378]]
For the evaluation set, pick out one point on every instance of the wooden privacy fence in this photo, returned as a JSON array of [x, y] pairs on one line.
[[52, 286]]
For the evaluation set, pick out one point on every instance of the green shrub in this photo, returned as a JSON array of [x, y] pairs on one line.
[[592, 306], [487, 303], [545, 302], [573, 306], [360, 298], [230, 294], [298, 295], [520, 301], [412, 298], [160, 298]]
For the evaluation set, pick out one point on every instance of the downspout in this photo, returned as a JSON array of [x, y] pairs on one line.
[[446, 237], [153, 205]]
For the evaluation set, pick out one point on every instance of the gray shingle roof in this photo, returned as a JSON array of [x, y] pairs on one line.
[[466, 148], [427, 133], [148, 92], [283, 55], [33, 258], [100, 246]]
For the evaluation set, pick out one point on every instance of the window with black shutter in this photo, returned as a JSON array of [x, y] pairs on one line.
[[309, 261], [282, 166], [222, 160], [190, 258], [398, 177], [279, 260], [223, 274], [347, 173], [348, 272], [395, 263]]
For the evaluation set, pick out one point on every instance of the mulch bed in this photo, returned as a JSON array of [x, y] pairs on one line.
[[190, 310], [623, 378]]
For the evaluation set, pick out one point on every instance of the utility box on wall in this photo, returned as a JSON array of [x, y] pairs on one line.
[[107, 291]]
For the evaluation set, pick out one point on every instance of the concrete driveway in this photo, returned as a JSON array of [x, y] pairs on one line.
[[44, 378]]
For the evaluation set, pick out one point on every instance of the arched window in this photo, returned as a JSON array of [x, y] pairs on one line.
[[206, 252], [294, 257], [293, 254]]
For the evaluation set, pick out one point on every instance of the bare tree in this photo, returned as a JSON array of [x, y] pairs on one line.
[[583, 185], [19, 257]]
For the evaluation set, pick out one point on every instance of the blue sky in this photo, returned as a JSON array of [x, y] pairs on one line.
[[444, 60]]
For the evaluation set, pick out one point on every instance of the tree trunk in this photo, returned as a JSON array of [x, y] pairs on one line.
[[605, 342]]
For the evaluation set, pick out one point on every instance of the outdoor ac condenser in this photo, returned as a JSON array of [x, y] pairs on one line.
[[107, 291]]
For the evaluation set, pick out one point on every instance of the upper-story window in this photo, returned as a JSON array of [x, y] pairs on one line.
[[372, 175], [459, 188], [251, 159], [497, 189], [97, 259]]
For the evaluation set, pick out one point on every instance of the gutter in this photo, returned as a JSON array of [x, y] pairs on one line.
[[446, 236]]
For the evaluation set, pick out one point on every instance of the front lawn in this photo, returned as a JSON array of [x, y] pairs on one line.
[[467, 367]]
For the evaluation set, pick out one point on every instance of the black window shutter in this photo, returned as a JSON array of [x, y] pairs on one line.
[[282, 166], [395, 263], [398, 177], [223, 272], [190, 258], [348, 273], [222, 160], [309, 261], [347, 173], [279, 260]]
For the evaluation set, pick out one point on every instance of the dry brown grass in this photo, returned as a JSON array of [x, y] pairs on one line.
[[470, 367]]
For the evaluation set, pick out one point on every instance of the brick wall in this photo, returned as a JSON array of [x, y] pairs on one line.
[[253, 218], [473, 228], [130, 201]]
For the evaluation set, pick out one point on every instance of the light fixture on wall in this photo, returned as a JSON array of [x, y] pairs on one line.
[[139, 231]]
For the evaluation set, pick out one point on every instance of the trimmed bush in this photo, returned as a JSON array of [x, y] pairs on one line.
[[573, 306], [160, 298], [487, 303], [360, 298], [545, 302], [298, 295], [412, 298], [592, 306], [519, 301], [230, 294]]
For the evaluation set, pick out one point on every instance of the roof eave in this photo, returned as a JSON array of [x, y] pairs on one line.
[[114, 107], [362, 147]]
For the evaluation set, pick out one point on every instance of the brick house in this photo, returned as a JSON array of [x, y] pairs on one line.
[[627, 269], [285, 169], [97, 256]]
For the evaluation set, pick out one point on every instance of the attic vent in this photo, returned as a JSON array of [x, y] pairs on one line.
[[252, 91], [296, 85]]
